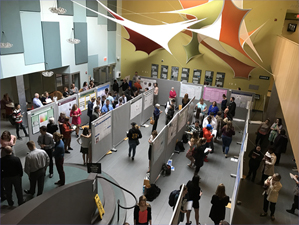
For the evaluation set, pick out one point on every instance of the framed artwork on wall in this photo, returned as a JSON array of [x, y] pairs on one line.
[[154, 70], [219, 79], [164, 72], [196, 76], [208, 78], [185, 75], [174, 73]]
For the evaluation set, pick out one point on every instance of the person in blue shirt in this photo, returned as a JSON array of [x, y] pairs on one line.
[[213, 109], [202, 106], [107, 107], [156, 113], [110, 98], [58, 154], [36, 101]]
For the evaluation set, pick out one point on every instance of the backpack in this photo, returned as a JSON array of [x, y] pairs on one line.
[[166, 169], [152, 192], [179, 146], [173, 197], [185, 138]]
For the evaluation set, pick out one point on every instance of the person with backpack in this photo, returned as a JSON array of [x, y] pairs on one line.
[[133, 135], [194, 195], [17, 116], [173, 198]]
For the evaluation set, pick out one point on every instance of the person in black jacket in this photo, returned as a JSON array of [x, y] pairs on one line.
[[169, 114], [199, 154], [90, 109], [115, 86], [256, 157], [224, 102], [51, 126], [194, 195], [280, 145], [232, 107], [134, 134], [124, 85]]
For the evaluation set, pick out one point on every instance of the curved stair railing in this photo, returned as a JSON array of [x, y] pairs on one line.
[[118, 201]]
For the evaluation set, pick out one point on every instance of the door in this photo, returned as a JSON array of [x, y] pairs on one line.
[[103, 75], [76, 80]]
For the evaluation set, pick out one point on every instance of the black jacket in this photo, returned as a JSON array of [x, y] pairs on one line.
[[232, 108]]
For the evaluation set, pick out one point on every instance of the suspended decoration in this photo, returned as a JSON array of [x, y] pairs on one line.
[[57, 10], [73, 40], [4, 43], [48, 73]]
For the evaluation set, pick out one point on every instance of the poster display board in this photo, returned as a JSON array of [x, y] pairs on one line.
[[213, 94], [147, 83], [208, 78], [242, 100], [159, 144], [219, 79], [191, 90], [41, 119], [148, 99], [85, 98], [65, 105], [154, 70], [136, 108], [101, 89], [183, 115], [174, 72], [164, 72], [196, 76], [172, 128], [102, 127], [185, 75]]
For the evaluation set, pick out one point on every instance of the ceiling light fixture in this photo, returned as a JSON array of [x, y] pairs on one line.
[[73, 40], [4, 43], [58, 10], [48, 73]]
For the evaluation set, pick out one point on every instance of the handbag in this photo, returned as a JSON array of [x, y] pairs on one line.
[[152, 122], [137, 142]]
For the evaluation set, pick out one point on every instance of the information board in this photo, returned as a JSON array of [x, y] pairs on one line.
[[185, 75], [85, 98], [148, 99], [219, 79], [41, 119], [154, 70], [147, 83], [66, 105], [172, 128], [164, 72], [191, 90], [242, 100], [182, 118], [101, 90], [136, 108], [102, 127], [213, 94], [159, 144], [208, 78], [196, 76], [174, 72]]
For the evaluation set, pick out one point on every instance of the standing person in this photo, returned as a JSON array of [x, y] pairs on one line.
[[73, 89], [107, 107], [110, 98], [198, 116], [91, 84], [219, 201], [51, 126], [227, 116], [11, 175], [200, 154], [120, 102], [89, 110], [36, 102], [84, 140], [135, 78], [58, 154], [190, 152], [262, 132], [133, 135], [296, 193], [219, 120], [185, 100], [115, 86], [232, 107], [194, 195], [223, 103], [202, 106], [137, 85], [124, 85], [227, 136], [61, 120], [169, 114], [150, 141], [17, 115], [46, 142], [280, 145], [98, 103], [256, 157], [76, 118], [272, 187], [67, 130], [156, 92], [142, 212], [85, 86], [46, 99], [95, 114], [207, 134], [269, 160], [36, 163], [172, 94], [7, 139], [213, 109], [156, 113], [275, 128]]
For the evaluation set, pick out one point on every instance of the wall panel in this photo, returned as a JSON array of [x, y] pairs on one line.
[[111, 47], [80, 32], [30, 5], [92, 4], [68, 5]]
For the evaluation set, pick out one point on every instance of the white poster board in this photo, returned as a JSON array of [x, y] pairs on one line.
[[148, 99], [242, 101], [102, 127], [172, 128], [182, 118], [66, 105], [191, 90], [101, 90], [147, 83], [41, 119], [136, 108], [85, 98], [158, 143]]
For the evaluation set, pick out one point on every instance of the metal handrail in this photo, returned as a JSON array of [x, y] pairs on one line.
[[118, 201]]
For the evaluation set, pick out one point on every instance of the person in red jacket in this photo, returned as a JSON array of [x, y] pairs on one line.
[[66, 131], [207, 134], [137, 85]]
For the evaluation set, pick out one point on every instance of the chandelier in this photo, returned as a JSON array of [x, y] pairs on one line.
[[58, 10], [4, 43], [47, 73], [73, 40]]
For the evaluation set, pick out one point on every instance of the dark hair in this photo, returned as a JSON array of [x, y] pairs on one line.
[[224, 96], [195, 135], [279, 122], [195, 180], [198, 111], [197, 121], [156, 84], [84, 84], [219, 113], [271, 148], [282, 132], [85, 131], [106, 89], [233, 98], [96, 108], [43, 128], [16, 105], [6, 132]]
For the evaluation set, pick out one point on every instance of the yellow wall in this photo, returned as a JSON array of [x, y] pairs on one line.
[[264, 41]]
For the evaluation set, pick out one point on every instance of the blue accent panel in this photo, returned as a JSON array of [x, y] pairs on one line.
[[33, 44], [111, 47], [68, 5], [11, 26], [112, 4], [102, 20], [80, 32], [80, 12], [30, 5], [92, 4], [92, 63], [52, 47]]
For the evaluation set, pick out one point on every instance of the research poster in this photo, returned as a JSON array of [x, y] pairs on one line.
[[102, 127], [101, 90], [185, 75], [191, 90], [66, 105], [174, 72], [136, 108], [85, 98], [154, 70], [158, 145], [172, 128], [182, 118], [196, 76], [219, 79], [147, 83], [164, 72], [242, 100], [148, 99], [208, 78], [41, 119], [213, 94]]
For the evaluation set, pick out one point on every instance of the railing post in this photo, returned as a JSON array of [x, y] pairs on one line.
[[118, 210]]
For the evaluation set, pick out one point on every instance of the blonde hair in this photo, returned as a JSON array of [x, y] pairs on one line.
[[56, 134], [143, 198], [154, 133], [229, 125]]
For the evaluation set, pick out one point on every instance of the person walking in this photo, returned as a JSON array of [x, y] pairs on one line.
[[84, 140], [219, 201], [232, 107], [256, 157], [223, 103], [156, 113], [272, 187], [142, 212], [76, 118], [296, 193], [150, 141], [194, 195], [17, 115], [262, 132], [200, 154], [89, 109], [46, 142], [133, 135], [190, 152], [227, 132], [36, 163], [58, 154], [11, 176]]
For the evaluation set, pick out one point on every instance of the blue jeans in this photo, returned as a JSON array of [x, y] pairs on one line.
[[226, 141], [132, 146]]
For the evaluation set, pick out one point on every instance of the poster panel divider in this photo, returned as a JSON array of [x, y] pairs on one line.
[[65, 105], [136, 109], [120, 125], [100, 90], [147, 105], [83, 99]]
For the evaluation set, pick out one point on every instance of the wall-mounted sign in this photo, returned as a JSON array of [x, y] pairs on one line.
[[208, 78], [154, 70], [174, 73], [219, 79], [264, 77], [196, 76], [185, 75], [164, 72]]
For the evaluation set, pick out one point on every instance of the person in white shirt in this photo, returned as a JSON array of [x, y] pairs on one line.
[[210, 120], [98, 103]]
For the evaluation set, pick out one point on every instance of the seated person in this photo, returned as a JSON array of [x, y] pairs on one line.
[[193, 127], [46, 99], [66, 92]]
